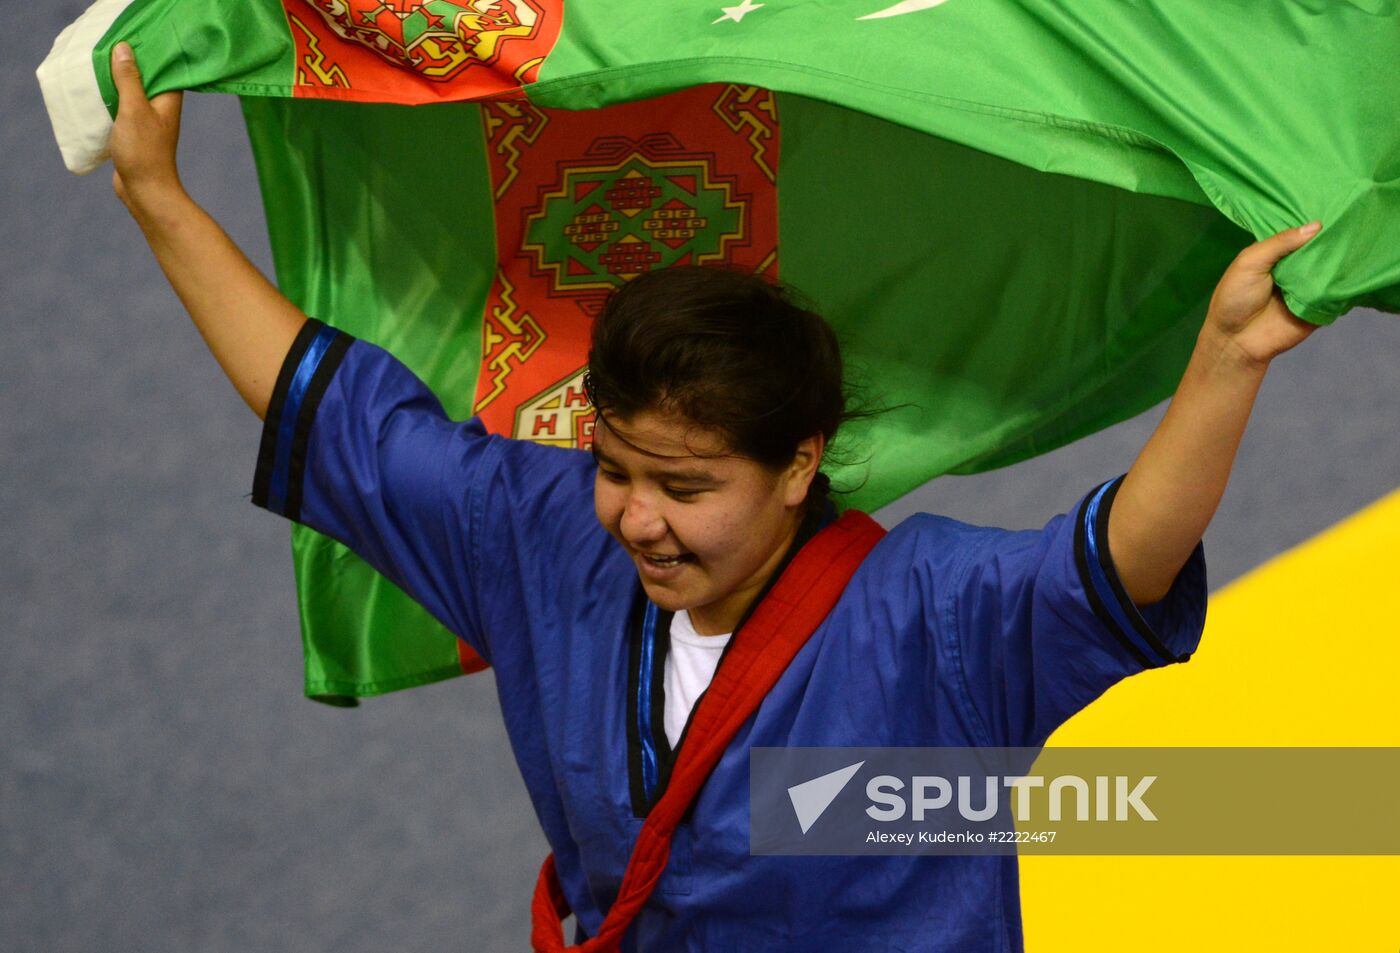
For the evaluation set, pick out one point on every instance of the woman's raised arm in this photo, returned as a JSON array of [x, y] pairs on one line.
[[1171, 493], [247, 323]]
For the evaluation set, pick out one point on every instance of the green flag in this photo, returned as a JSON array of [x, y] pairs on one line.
[[1013, 213]]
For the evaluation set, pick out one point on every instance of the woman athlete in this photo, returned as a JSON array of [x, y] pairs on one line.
[[716, 397]]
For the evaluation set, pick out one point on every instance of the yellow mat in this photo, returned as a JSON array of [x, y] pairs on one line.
[[1304, 651]]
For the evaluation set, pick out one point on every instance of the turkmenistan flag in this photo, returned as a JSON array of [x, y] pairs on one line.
[[1013, 212]]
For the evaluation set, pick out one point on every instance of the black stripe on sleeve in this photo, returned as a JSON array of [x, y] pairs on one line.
[[315, 391], [1129, 607], [1081, 560], [272, 420]]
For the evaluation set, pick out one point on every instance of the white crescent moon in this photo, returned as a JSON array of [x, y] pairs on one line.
[[903, 7]]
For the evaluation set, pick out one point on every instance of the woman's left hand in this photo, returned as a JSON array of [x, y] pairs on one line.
[[1247, 309]]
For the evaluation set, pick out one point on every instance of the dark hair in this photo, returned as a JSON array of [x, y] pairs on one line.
[[727, 350]]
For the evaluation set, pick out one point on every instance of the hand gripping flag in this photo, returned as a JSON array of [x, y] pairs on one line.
[[1013, 211]]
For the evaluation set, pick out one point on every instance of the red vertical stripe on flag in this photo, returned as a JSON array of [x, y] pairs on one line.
[[586, 200]]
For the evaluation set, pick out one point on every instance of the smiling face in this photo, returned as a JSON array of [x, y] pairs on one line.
[[704, 526]]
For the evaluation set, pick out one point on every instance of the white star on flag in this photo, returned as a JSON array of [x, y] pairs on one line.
[[737, 13]]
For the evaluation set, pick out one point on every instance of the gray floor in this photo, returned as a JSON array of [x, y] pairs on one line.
[[163, 785]]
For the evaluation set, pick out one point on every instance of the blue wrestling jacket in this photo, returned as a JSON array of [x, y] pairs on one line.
[[947, 635]]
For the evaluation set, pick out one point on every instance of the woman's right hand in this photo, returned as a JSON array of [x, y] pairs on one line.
[[144, 137]]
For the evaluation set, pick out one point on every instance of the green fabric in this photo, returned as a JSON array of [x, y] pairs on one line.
[[225, 47], [1273, 113], [999, 312], [409, 269]]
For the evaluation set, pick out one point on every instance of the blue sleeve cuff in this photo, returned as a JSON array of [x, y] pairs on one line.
[[306, 372], [1165, 632]]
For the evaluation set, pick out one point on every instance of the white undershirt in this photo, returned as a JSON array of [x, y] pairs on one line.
[[690, 665]]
